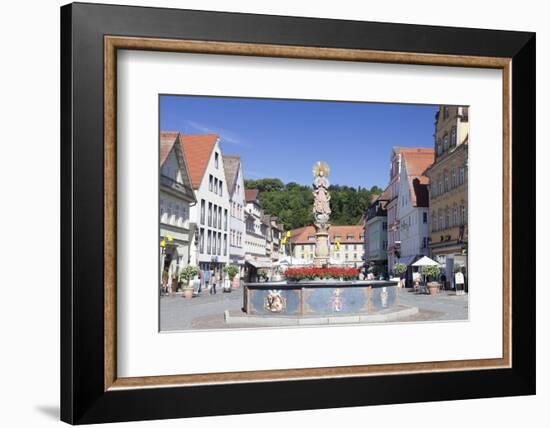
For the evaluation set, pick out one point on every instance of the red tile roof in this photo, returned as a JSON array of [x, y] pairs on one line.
[[416, 163], [419, 190], [197, 150], [301, 235], [251, 195], [167, 140]]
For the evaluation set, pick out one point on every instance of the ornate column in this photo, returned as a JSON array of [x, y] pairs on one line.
[[321, 213]]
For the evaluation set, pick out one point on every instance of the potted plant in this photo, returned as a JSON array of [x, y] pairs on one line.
[[431, 272], [231, 271], [188, 273], [262, 275]]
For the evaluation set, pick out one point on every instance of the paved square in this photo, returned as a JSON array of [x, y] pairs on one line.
[[206, 311]]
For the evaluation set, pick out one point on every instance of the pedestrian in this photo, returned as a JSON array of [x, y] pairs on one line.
[[201, 279], [459, 282], [443, 280], [215, 281]]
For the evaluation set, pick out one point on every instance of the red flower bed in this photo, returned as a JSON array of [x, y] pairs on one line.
[[297, 274]]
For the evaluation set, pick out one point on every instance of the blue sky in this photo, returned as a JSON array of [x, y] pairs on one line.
[[284, 138]]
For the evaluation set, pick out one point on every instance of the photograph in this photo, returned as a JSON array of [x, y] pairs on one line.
[[297, 212]]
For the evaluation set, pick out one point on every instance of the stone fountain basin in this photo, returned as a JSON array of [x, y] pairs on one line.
[[323, 297]]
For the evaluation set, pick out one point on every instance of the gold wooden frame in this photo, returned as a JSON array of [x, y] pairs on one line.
[[113, 43]]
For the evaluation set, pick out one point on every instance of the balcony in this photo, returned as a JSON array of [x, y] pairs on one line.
[[177, 187]]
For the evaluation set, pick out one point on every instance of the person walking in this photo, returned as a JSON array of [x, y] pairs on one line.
[[215, 281], [459, 282]]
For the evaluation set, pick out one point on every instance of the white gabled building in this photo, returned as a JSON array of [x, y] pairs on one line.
[[176, 199], [413, 205], [256, 230], [210, 249], [255, 236], [237, 229]]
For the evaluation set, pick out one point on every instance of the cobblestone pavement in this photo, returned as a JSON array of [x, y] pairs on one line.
[[206, 311]]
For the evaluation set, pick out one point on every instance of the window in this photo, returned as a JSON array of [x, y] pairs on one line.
[[219, 217], [445, 142], [441, 225], [216, 186], [439, 187], [225, 244], [424, 218], [434, 221], [445, 112], [209, 213], [216, 160], [453, 136], [453, 178], [463, 219], [209, 243], [203, 203], [350, 236], [455, 216], [434, 189], [201, 240], [221, 188], [439, 147], [424, 242], [211, 183], [462, 175], [447, 218], [446, 183], [225, 219]]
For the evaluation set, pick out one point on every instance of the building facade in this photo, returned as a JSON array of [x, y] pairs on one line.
[[448, 193], [256, 237], [176, 198], [376, 233], [211, 212], [237, 228], [346, 244], [394, 239], [413, 205]]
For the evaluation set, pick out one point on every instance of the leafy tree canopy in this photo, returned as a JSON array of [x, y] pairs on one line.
[[292, 203]]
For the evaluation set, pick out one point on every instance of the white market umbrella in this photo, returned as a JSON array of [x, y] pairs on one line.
[[425, 261]]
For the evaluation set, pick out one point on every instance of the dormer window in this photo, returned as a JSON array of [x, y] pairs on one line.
[[216, 160], [445, 142], [445, 112]]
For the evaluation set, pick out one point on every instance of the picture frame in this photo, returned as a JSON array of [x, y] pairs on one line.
[[91, 391]]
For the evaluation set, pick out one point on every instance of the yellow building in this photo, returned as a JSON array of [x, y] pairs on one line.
[[448, 195]]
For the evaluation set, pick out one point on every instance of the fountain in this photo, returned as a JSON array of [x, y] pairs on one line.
[[320, 301], [321, 213]]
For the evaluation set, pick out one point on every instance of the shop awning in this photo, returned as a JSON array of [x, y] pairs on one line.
[[406, 260], [260, 263]]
